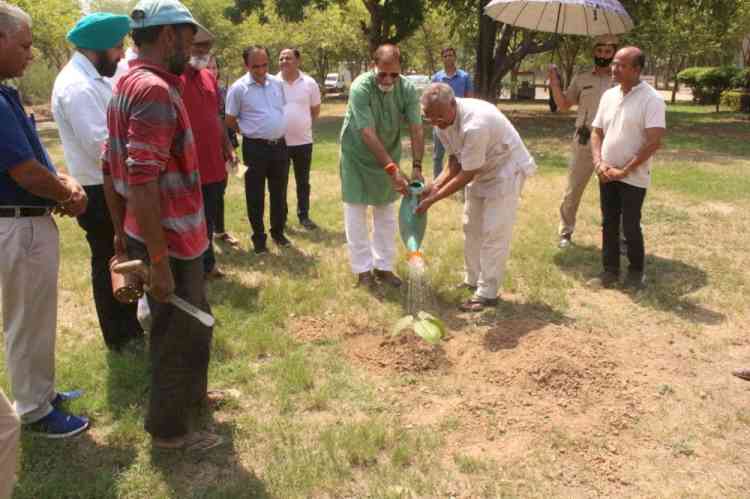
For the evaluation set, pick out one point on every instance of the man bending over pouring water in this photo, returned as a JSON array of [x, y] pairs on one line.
[[489, 159]]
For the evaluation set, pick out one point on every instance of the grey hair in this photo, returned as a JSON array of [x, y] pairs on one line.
[[12, 18], [437, 93]]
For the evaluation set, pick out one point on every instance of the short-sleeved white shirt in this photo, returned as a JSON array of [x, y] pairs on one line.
[[624, 119], [302, 94], [483, 139]]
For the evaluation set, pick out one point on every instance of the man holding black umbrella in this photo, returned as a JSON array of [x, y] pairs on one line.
[[584, 91]]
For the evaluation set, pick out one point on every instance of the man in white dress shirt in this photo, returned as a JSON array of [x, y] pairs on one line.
[[488, 157], [80, 98], [302, 108]]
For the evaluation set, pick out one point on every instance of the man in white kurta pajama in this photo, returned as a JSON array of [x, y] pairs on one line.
[[488, 157]]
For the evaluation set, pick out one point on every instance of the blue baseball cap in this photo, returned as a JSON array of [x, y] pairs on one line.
[[149, 13], [99, 31]]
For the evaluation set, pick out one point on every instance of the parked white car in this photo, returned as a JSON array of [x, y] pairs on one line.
[[337, 83]]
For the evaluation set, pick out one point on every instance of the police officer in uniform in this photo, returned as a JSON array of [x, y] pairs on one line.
[[584, 92]]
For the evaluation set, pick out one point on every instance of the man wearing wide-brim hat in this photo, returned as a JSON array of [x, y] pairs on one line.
[[153, 191], [80, 98], [585, 92]]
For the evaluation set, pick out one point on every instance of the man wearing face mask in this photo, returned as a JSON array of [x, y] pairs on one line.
[[80, 98], [153, 191], [370, 152], [585, 92], [202, 99]]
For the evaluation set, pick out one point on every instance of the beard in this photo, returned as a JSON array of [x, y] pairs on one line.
[[200, 61], [105, 66], [386, 88]]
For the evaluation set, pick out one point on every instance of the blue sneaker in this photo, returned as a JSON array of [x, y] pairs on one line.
[[62, 397], [58, 424]]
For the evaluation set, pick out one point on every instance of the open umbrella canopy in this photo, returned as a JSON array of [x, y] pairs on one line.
[[569, 17]]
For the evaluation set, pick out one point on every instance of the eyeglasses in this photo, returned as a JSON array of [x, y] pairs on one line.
[[259, 66], [383, 74]]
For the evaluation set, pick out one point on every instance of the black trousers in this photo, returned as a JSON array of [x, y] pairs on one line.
[[211, 199], [301, 157], [220, 228], [265, 162], [622, 201], [180, 348], [117, 320]]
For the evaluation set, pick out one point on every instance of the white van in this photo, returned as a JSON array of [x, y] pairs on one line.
[[337, 83]]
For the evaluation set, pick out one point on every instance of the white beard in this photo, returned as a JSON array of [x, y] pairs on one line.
[[200, 62], [386, 88]]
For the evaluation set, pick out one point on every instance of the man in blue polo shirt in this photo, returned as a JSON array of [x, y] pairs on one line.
[[460, 81], [30, 190]]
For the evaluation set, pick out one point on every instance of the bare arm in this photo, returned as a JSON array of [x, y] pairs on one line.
[[231, 122], [228, 147], [315, 112], [144, 199], [373, 143], [563, 104], [35, 178], [116, 205], [450, 181], [597, 137], [447, 174], [653, 143], [417, 149]]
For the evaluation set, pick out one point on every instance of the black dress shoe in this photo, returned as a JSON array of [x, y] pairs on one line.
[[635, 281], [260, 249], [606, 279], [281, 240], [387, 277], [365, 279]]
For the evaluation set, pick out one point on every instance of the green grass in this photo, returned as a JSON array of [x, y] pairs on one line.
[[314, 422]]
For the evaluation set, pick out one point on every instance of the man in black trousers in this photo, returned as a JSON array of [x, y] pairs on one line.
[[255, 107]]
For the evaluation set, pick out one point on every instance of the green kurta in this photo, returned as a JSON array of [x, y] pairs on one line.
[[363, 180]]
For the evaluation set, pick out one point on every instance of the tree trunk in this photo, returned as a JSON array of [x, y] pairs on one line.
[[495, 59], [485, 55]]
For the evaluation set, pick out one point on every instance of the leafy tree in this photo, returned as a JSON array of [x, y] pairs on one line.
[[709, 83], [389, 21], [114, 6], [692, 32], [52, 19], [500, 48]]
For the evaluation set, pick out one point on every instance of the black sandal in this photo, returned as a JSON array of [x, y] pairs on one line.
[[477, 304]]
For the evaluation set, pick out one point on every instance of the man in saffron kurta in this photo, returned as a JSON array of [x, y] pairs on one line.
[[371, 148]]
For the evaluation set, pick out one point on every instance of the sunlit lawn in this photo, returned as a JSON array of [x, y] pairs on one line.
[[313, 421]]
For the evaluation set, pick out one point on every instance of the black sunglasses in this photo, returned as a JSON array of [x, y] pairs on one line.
[[383, 74]]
